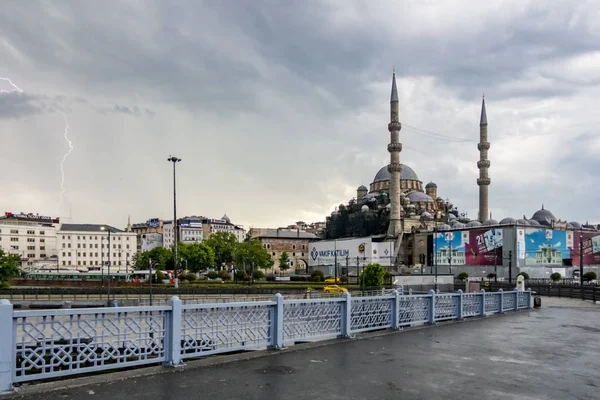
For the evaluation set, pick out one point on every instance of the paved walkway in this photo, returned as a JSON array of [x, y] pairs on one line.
[[551, 353]]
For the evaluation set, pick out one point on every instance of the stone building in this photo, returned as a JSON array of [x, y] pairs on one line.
[[294, 243]]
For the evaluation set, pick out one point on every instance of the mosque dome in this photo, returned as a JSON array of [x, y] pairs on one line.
[[569, 226], [451, 217], [544, 217], [418, 197], [226, 219], [575, 224], [490, 222], [473, 224], [444, 227], [430, 185], [426, 215], [522, 222], [407, 174], [458, 225], [533, 222], [508, 221], [362, 188]]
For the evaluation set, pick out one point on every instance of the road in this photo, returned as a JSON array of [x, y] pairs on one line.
[[550, 353]]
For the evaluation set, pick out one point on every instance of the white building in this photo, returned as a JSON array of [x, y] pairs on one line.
[[224, 224], [31, 236], [190, 231], [87, 247]]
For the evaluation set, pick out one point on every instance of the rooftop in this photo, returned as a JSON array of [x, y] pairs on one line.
[[288, 235], [88, 228]]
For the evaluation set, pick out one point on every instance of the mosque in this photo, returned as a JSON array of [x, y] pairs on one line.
[[426, 232]]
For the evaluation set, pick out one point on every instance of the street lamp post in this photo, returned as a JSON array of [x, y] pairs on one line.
[[106, 228], [175, 160]]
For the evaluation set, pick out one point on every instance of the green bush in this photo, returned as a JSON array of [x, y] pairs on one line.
[[226, 276], [525, 275], [556, 276], [463, 276], [190, 277], [258, 275], [160, 275], [212, 275], [241, 275], [270, 277], [372, 276], [317, 276], [4, 285], [491, 275], [590, 276]]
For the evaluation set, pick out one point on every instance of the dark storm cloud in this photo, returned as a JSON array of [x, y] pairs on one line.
[[21, 105]]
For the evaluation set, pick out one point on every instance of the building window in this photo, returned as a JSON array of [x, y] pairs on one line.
[[69, 245], [63, 237], [95, 237], [96, 246], [293, 254], [114, 255], [84, 254], [43, 255], [30, 240], [84, 263], [31, 232], [273, 253], [14, 239], [42, 240], [96, 255], [42, 247], [293, 247], [302, 254], [78, 237], [64, 262], [14, 247], [78, 254], [78, 262], [268, 246], [64, 254], [14, 231], [84, 245], [30, 255], [78, 245], [69, 253], [30, 247], [303, 247], [69, 237], [42, 232], [127, 246], [291, 263]]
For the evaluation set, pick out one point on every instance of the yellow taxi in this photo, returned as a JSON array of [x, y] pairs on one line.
[[333, 280], [334, 289]]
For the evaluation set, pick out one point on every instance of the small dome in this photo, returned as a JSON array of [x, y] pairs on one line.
[[430, 185], [444, 227], [544, 217], [522, 222], [533, 222], [451, 217], [362, 188], [364, 208], [426, 215], [226, 219], [490, 222], [458, 225], [439, 199], [419, 197], [569, 226], [575, 224], [473, 224], [508, 221]]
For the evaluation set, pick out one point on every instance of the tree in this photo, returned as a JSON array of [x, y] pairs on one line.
[[556, 276], [284, 261], [223, 245], [252, 254], [9, 266], [525, 275], [372, 276], [161, 257], [199, 256], [590, 276], [463, 276]]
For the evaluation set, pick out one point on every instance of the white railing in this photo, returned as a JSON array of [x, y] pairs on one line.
[[44, 344]]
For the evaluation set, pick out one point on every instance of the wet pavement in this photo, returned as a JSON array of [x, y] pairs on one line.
[[551, 353]]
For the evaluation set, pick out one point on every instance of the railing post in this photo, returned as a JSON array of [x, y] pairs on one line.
[[529, 298], [347, 315], [432, 307], [482, 303], [501, 301], [277, 323], [395, 309], [7, 346], [173, 333], [410, 292], [460, 303], [516, 293]]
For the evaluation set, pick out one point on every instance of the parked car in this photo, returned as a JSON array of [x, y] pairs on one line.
[[334, 289], [333, 280]]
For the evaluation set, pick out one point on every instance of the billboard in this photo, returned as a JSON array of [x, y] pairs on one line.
[[591, 247], [546, 246], [481, 246], [362, 249], [151, 240]]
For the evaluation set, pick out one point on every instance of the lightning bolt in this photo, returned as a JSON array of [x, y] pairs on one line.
[[15, 88], [62, 171]]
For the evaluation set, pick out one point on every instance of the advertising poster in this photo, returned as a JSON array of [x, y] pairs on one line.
[[473, 247], [521, 244], [545, 246], [591, 248], [325, 252]]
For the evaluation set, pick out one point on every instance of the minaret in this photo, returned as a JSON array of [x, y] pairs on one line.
[[483, 164], [129, 223], [395, 168]]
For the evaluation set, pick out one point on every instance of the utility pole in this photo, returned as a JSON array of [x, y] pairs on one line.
[[510, 266], [581, 265]]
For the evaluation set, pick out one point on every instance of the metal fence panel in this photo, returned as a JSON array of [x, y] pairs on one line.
[[371, 313], [218, 328], [492, 303], [312, 319], [446, 307], [508, 301], [471, 306], [523, 299], [414, 310], [62, 342]]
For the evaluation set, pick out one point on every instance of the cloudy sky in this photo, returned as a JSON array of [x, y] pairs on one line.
[[279, 109]]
